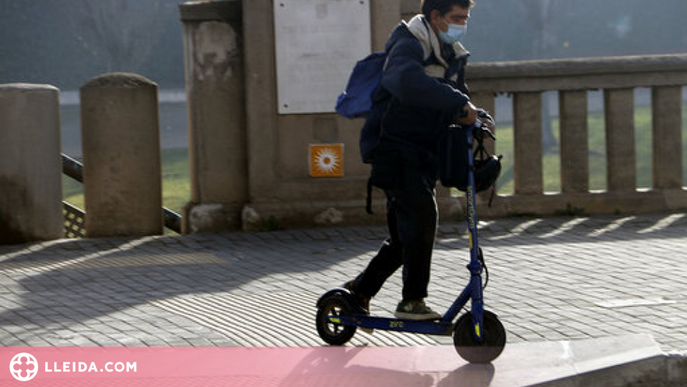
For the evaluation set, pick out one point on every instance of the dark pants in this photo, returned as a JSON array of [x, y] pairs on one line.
[[412, 222]]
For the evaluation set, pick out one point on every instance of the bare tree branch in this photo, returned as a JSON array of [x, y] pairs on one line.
[[122, 31]]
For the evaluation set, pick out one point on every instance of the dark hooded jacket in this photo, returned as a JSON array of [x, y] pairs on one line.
[[425, 90]]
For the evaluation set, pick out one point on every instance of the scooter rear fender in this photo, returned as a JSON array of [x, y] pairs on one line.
[[333, 292]]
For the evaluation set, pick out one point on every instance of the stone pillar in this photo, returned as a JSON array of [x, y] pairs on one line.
[[30, 164], [121, 152], [486, 101], [574, 141], [666, 110], [216, 110], [528, 143], [620, 139], [385, 16]]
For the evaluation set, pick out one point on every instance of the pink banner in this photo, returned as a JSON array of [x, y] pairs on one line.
[[237, 366]]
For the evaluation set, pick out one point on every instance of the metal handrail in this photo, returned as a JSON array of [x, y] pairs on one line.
[[74, 169]]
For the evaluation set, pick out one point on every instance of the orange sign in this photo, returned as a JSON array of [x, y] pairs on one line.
[[326, 160]]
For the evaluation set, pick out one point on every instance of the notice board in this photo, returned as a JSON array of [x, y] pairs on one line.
[[317, 43]]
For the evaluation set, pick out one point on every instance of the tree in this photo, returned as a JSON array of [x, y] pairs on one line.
[[539, 15], [122, 32]]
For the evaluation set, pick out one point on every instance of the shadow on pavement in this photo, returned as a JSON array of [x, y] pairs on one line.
[[71, 281]]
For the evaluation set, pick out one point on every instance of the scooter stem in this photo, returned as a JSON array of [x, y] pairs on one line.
[[475, 266]]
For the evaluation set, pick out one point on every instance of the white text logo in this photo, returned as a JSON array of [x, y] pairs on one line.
[[23, 367]]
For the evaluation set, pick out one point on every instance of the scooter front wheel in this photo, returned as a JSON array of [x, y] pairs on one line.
[[474, 351], [329, 309]]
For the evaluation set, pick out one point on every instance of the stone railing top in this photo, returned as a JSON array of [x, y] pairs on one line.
[[119, 80], [579, 73], [210, 10], [27, 87], [580, 66]]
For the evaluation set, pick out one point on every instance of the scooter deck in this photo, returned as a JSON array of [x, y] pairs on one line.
[[434, 327]]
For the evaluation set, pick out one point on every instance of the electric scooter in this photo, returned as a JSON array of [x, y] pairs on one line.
[[478, 336]]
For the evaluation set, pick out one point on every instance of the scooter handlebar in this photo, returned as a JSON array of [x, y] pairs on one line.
[[480, 130], [481, 125]]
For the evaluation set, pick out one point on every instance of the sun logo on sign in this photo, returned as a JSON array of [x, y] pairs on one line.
[[326, 160]]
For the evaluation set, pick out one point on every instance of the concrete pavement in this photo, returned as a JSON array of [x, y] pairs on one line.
[[551, 279]]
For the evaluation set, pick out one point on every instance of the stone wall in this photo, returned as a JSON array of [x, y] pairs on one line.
[[255, 159]]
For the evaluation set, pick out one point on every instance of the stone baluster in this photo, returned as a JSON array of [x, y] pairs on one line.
[[527, 143], [574, 147], [486, 101], [666, 110], [621, 165]]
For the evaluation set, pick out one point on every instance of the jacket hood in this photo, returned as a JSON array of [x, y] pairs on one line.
[[421, 30]]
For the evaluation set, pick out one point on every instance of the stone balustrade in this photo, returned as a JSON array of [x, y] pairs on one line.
[[271, 185], [572, 79], [249, 163]]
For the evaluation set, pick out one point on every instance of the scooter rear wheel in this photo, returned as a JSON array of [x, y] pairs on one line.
[[493, 339], [333, 333]]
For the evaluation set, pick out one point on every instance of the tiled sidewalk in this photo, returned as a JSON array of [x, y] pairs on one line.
[[550, 279]]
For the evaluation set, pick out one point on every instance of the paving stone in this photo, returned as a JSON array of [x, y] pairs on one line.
[[547, 278]]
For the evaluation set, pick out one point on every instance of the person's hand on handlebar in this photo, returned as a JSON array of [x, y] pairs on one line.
[[468, 116], [487, 121]]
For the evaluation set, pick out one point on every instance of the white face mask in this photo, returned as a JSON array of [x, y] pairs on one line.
[[454, 33]]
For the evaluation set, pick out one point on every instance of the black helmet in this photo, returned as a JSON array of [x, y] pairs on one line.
[[452, 156], [487, 170]]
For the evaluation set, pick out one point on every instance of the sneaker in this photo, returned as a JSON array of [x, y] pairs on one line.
[[363, 302], [415, 310]]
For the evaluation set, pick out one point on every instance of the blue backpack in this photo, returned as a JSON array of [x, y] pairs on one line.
[[364, 97], [357, 100]]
